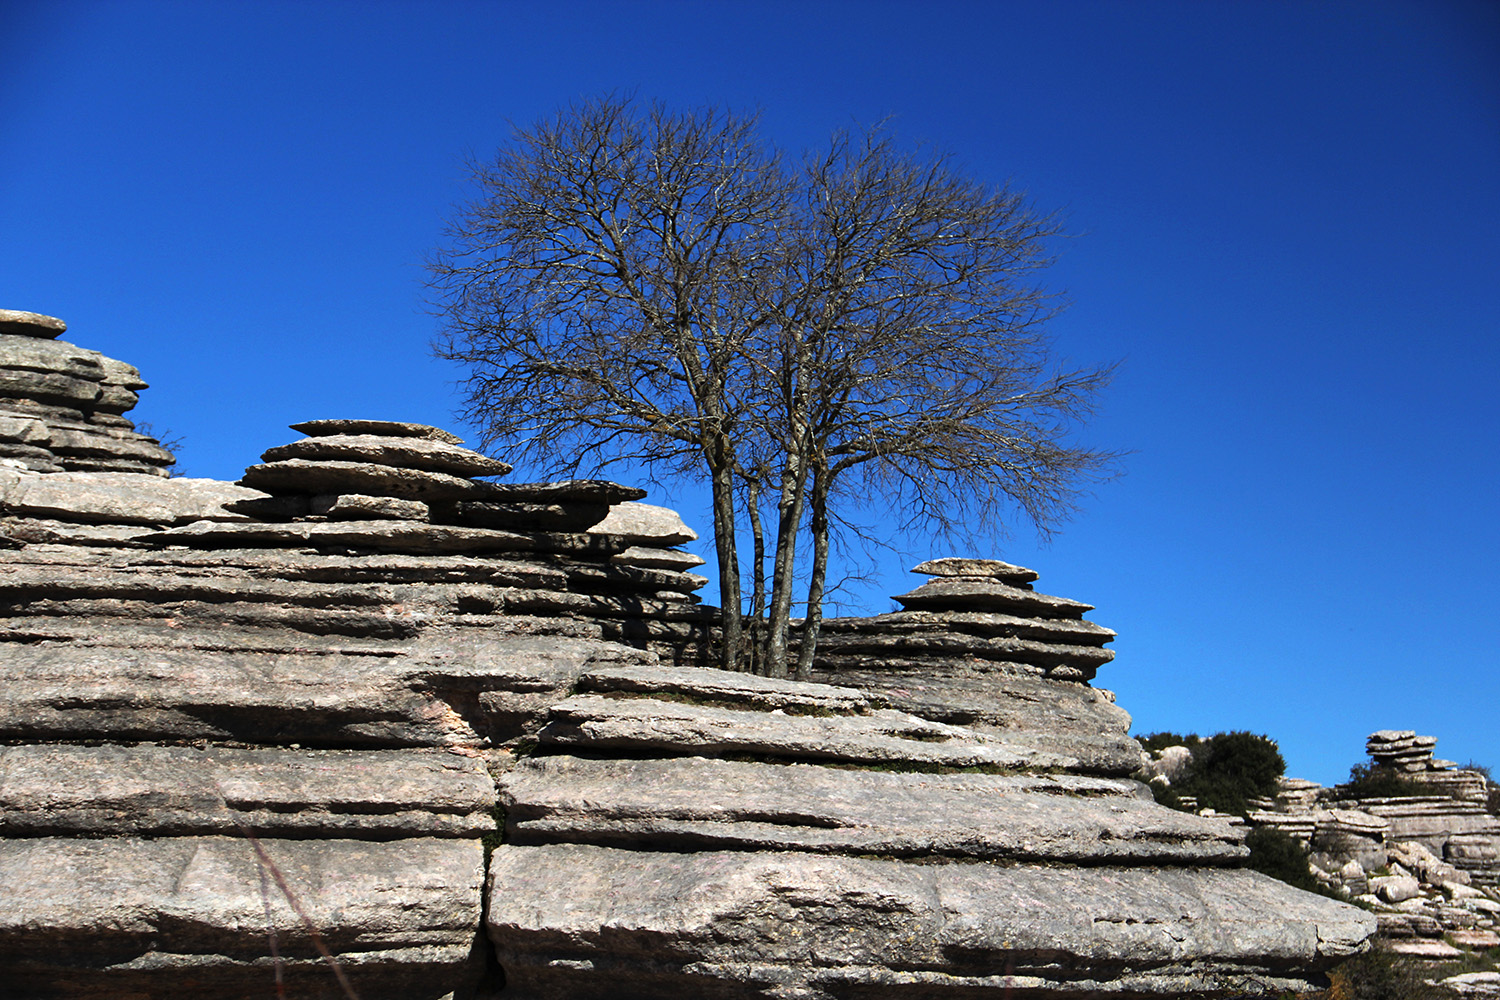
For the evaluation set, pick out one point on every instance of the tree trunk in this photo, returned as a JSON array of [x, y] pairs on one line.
[[722, 478], [818, 503], [788, 520], [756, 631]]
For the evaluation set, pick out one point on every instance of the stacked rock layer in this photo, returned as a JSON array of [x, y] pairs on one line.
[[1427, 864], [62, 407], [978, 646], [241, 724]]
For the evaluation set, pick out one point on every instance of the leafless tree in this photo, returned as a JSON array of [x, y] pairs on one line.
[[598, 291], [635, 283]]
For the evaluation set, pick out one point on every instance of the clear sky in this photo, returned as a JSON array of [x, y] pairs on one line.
[[1288, 220]]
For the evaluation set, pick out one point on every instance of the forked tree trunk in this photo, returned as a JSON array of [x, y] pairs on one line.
[[755, 634], [731, 651], [788, 520], [818, 517]]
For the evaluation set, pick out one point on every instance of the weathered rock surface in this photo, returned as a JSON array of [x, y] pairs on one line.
[[993, 568], [883, 736], [697, 804], [362, 670], [189, 916], [382, 428], [117, 497], [61, 405], [407, 452], [644, 524], [721, 924], [29, 324], [53, 789]]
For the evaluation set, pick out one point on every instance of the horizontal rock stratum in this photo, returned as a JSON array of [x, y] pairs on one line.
[[461, 736]]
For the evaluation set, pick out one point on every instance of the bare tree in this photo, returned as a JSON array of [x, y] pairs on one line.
[[599, 292], [909, 347], [662, 287]]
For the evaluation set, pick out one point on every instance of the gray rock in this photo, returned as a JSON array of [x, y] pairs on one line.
[[47, 387], [710, 686], [165, 790], [718, 924], [118, 373], [117, 497], [354, 507], [571, 491], [1395, 888], [653, 558], [187, 916], [19, 429], [23, 353], [992, 568], [592, 722], [29, 324], [969, 593], [545, 517], [42, 531], [696, 804], [1068, 631], [382, 428], [1071, 720], [391, 536], [313, 478], [403, 452], [645, 524], [454, 691]]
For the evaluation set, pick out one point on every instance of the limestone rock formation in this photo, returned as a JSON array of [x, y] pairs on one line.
[[62, 407], [240, 725], [978, 646], [1428, 864]]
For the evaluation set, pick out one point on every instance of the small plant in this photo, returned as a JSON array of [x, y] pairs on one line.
[[1371, 781], [1380, 975], [1277, 853]]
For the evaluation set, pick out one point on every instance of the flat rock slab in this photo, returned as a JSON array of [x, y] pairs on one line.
[[160, 790], [974, 594], [693, 804], [184, 916], [118, 497], [457, 691], [391, 536], [992, 568], [354, 507], [935, 643], [585, 491], [732, 924], [653, 558], [58, 356], [593, 722], [20, 323], [403, 452], [383, 428], [1075, 631], [1023, 707], [708, 685], [645, 524], [299, 475]]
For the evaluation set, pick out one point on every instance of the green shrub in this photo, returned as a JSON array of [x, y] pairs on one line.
[[1276, 853], [1371, 781], [1380, 975], [1160, 741], [1228, 769]]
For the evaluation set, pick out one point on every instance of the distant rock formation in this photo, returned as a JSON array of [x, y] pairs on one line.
[[62, 407], [1429, 864], [464, 727]]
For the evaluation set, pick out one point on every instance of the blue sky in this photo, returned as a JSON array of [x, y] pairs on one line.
[[1288, 220]]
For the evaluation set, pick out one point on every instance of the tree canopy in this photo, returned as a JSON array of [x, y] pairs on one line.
[[666, 287]]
